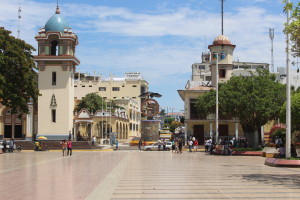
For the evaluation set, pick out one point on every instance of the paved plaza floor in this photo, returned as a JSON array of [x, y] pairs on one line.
[[142, 175]]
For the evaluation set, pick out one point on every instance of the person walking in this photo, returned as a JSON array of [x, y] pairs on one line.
[[173, 146], [11, 145], [93, 141], [190, 145], [69, 146], [159, 145], [140, 144], [117, 145], [180, 144], [176, 146], [64, 147], [195, 145], [164, 145], [4, 143]]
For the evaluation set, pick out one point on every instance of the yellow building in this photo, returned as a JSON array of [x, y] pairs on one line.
[[54, 116]]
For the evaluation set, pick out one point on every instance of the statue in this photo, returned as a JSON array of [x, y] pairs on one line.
[[150, 106]]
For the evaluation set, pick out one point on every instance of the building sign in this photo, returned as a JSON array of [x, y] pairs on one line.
[[133, 75]]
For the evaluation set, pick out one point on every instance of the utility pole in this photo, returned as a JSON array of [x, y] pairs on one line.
[[217, 98], [271, 34], [288, 92]]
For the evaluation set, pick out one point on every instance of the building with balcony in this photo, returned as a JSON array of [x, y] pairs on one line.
[[203, 79]]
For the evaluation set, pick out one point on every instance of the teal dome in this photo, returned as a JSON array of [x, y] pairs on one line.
[[56, 23]]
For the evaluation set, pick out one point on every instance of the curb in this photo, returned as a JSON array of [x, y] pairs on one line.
[[276, 162]]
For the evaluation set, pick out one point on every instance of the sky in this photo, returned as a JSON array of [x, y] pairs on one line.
[[161, 39]]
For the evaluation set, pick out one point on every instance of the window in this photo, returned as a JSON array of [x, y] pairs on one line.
[[222, 73], [54, 49], [102, 88], [201, 66], [90, 86], [53, 78], [83, 86], [53, 113], [75, 85], [116, 89], [133, 85]]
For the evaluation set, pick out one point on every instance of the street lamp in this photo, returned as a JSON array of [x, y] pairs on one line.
[[216, 56], [288, 92]]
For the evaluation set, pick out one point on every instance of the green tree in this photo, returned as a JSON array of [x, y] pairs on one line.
[[169, 120], [92, 102], [206, 104], [18, 80], [254, 100], [294, 27], [174, 125], [295, 112]]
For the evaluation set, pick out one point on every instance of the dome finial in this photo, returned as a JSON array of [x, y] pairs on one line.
[[57, 9]]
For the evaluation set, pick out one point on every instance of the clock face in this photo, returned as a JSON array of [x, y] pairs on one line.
[[150, 108]]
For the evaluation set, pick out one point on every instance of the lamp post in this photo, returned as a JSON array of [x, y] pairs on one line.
[[288, 92], [216, 56]]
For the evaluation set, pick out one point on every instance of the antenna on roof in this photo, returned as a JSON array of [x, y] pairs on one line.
[[222, 15], [19, 20], [271, 34]]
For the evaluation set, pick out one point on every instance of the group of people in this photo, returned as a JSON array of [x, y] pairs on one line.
[[11, 144], [225, 147], [67, 146], [177, 145], [193, 144]]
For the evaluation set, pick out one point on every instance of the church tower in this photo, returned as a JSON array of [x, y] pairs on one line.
[[221, 49], [56, 62]]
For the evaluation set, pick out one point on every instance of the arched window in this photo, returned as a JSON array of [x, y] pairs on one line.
[[54, 49]]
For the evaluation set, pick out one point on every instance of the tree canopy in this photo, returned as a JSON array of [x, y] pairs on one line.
[[18, 80], [295, 112], [92, 102], [294, 27], [254, 100]]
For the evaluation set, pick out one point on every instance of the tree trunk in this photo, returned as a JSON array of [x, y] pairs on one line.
[[252, 136]]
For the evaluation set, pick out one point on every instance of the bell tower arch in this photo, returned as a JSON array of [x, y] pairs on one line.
[[56, 63]]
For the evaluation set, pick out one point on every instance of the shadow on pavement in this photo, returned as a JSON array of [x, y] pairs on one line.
[[289, 180]]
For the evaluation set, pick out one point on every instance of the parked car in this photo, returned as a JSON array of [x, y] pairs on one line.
[[135, 141], [154, 147]]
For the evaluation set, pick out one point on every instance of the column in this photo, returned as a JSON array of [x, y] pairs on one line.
[[91, 131], [185, 133], [236, 130], [29, 121], [210, 129], [262, 133], [75, 132]]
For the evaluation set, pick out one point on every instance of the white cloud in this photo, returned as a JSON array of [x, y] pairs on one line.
[[142, 40]]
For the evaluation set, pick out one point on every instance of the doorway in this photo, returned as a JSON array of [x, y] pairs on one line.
[[199, 133], [12, 125]]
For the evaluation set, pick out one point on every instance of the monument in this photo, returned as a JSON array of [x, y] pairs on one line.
[[150, 108]]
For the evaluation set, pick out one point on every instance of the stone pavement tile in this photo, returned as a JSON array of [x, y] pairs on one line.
[[50, 176], [143, 175]]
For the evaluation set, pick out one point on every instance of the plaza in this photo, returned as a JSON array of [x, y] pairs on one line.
[[143, 175]]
